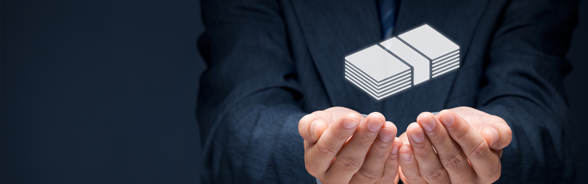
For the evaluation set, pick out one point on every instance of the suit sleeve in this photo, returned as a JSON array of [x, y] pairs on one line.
[[524, 77], [247, 106]]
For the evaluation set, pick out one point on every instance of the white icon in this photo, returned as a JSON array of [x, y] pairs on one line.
[[399, 63]]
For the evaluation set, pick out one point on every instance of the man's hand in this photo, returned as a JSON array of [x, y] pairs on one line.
[[341, 146], [461, 145]]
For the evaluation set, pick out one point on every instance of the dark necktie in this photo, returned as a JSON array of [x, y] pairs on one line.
[[388, 10]]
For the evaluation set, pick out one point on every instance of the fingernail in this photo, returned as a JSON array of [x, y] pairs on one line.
[[428, 124], [417, 136], [312, 128], [494, 134], [374, 125], [395, 149], [406, 157], [350, 123], [447, 119], [386, 135]]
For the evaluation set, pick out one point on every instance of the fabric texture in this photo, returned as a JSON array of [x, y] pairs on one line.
[[271, 62]]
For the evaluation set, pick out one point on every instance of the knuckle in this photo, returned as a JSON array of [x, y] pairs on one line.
[[436, 137], [413, 178], [480, 151], [349, 164], [383, 145], [392, 162], [454, 162], [367, 138], [339, 134], [422, 150], [380, 150], [436, 175], [460, 134], [388, 177], [369, 176], [324, 148]]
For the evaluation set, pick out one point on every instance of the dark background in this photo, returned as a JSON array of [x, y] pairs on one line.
[[105, 91]]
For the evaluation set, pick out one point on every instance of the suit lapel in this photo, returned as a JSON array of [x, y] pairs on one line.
[[334, 29]]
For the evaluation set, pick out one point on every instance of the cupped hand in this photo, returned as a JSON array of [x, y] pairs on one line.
[[341, 146], [460, 145]]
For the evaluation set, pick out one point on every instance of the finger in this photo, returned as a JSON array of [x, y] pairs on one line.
[[333, 113], [485, 163], [390, 174], [424, 115], [408, 165], [351, 157], [490, 135], [498, 134], [429, 164], [373, 166], [448, 152], [319, 156], [311, 127]]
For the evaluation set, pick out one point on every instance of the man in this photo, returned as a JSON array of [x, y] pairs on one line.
[[275, 107]]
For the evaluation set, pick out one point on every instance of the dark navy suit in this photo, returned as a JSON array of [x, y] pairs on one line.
[[270, 62]]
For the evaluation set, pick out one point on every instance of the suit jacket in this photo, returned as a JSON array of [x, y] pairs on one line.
[[272, 62]]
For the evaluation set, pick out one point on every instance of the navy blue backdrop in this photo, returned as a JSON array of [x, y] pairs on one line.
[[99, 91], [105, 91]]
